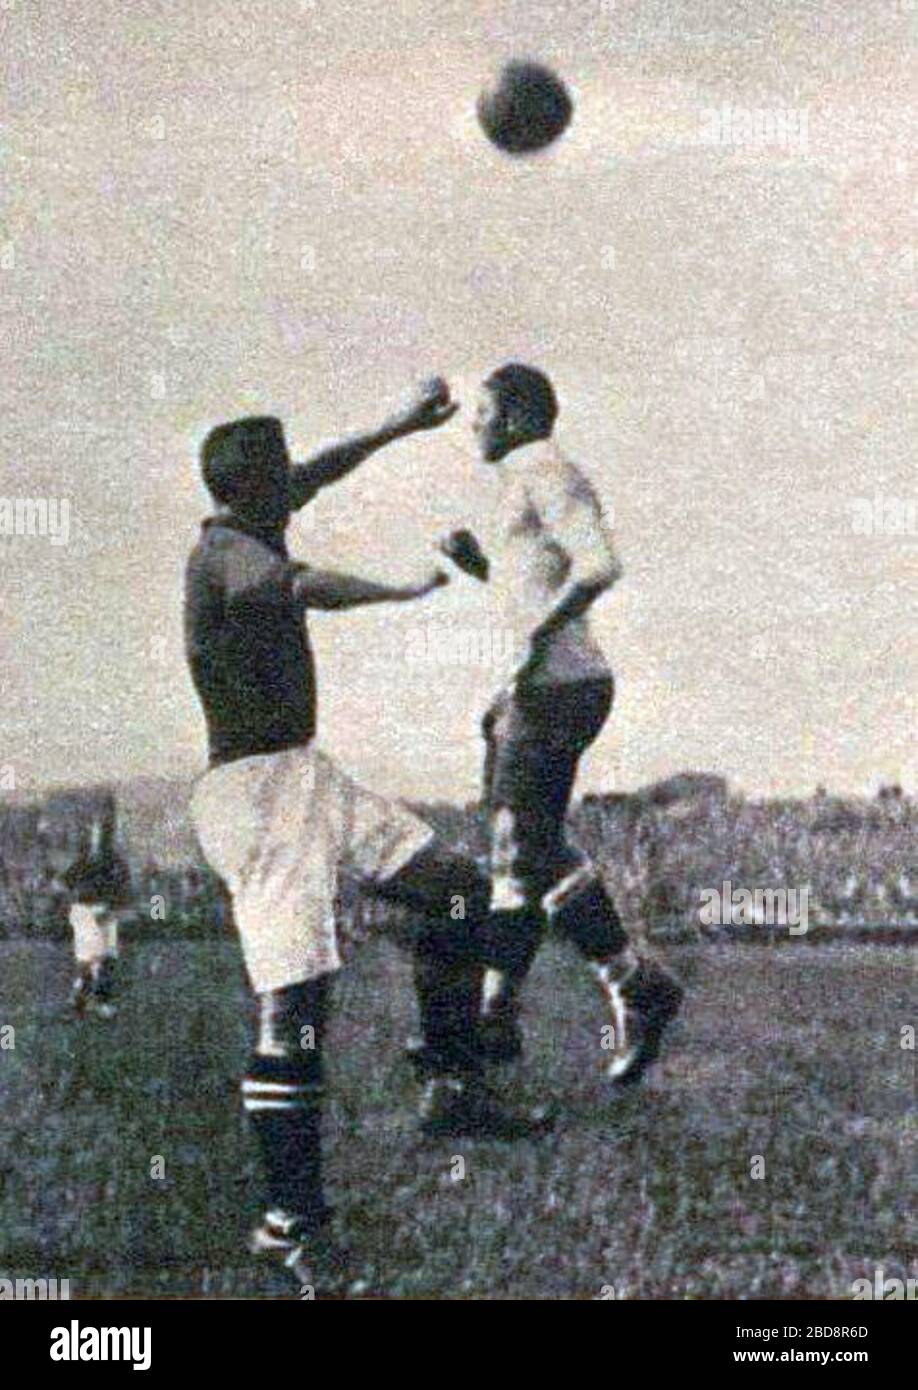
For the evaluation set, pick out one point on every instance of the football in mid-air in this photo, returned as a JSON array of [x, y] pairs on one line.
[[526, 109]]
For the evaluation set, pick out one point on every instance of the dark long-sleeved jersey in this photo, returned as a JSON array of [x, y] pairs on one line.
[[246, 642]]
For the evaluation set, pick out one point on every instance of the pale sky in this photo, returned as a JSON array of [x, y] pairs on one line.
[[215, 208]]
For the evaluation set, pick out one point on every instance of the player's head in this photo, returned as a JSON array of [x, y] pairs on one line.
[[517, 404], [246, 469]]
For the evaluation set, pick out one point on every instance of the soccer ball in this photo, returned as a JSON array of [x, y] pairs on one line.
[[526, 110]]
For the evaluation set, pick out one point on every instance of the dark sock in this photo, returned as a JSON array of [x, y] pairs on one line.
[[449, 998], [285, 1112], [587, 917], [282, 1096]]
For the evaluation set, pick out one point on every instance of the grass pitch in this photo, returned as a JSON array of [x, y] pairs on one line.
[[787, 1061]]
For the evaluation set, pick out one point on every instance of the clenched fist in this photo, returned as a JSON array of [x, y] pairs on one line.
[[428, 407], [463, 549]]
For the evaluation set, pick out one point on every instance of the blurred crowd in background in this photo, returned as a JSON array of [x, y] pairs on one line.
[[660, 849]]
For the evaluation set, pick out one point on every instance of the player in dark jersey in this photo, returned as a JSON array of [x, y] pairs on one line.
[[275, 816]]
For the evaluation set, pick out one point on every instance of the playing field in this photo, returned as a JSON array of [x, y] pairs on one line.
[[791, 1053]]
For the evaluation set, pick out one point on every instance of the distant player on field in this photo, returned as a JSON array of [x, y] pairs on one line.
[[554, 558], [99, 885], [275, 816]]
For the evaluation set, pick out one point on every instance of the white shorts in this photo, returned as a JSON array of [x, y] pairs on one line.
[[95, 932], [276, 828]]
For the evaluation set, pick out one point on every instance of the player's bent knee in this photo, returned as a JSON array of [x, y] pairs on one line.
[[448, 896], [291, 1021]]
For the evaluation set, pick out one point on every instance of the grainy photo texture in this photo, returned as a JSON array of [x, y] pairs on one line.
[[458, 545]]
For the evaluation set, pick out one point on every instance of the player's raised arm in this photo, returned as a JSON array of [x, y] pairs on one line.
[[329, 590], [429, 407]]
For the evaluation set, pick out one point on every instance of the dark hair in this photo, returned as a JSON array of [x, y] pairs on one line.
[[234, 457], [525, 395]]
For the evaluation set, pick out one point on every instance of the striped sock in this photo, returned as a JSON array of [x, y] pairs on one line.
[[282, 1097]]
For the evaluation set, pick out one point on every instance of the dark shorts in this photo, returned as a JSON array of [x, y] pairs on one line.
[[534, 742]]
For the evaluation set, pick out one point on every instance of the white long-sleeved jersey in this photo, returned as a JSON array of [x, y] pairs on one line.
[[550, 529]]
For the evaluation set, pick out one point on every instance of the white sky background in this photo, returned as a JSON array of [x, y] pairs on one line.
[[216, 208]]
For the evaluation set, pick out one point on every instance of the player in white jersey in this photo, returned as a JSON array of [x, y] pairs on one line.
[[554, 558]]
